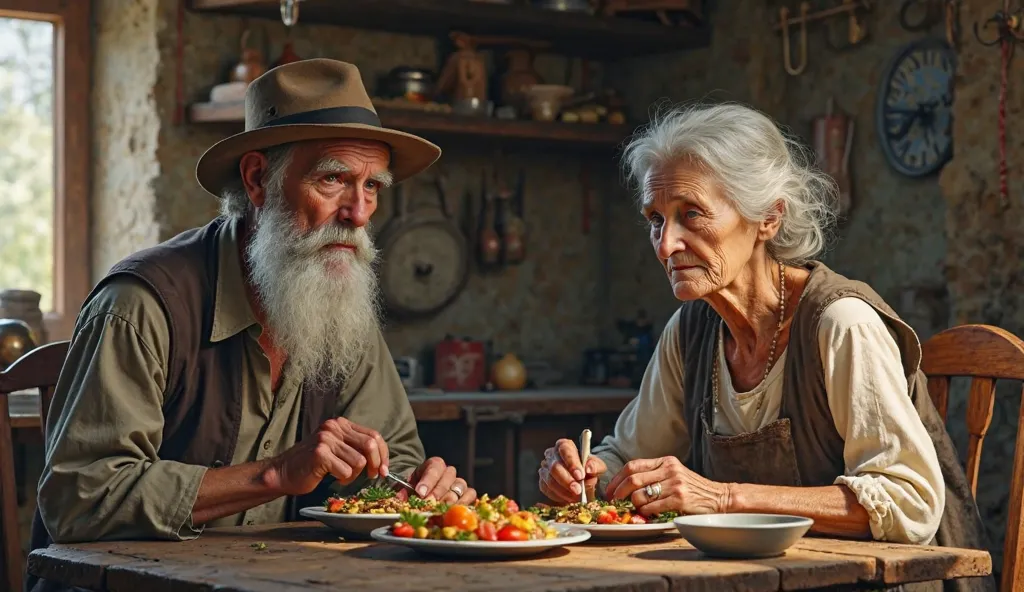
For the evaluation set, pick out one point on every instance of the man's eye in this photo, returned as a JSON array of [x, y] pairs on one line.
[[372, 185], [331, 178]]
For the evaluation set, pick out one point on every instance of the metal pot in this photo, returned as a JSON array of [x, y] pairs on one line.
[[414, 84]]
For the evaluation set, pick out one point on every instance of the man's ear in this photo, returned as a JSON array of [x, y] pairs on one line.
[[252, 167], [769, 227]]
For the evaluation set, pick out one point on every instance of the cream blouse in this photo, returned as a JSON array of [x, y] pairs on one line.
[[891, 465]]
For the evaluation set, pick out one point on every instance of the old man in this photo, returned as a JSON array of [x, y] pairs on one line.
[[237, 371]]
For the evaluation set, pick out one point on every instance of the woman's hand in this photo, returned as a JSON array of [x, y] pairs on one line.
[[561, 472], [682, 490]]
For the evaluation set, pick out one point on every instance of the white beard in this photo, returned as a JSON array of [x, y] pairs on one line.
[[322, 306]]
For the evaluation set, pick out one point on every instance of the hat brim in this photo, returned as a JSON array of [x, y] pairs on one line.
[[219, 164]]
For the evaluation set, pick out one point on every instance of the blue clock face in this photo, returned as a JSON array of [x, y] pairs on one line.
[[914, 112]]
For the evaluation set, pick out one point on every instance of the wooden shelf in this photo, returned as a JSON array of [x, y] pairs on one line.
[[438, 124], [569, 33]]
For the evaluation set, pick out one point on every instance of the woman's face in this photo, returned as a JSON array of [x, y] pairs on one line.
[[700, 238]]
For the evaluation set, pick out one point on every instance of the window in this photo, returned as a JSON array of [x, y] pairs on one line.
[[44, 162]]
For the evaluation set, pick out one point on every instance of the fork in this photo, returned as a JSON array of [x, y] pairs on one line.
[[391, 476], [584, 455]]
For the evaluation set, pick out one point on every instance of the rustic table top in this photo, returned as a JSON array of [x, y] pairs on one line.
[[308, 556], [570, 400]]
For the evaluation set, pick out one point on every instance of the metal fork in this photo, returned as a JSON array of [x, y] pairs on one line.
[[391, 476]]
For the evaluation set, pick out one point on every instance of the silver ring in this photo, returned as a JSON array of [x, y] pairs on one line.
[[456, 490], [653, 491]]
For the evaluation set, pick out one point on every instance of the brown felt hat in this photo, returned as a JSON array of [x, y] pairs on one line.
[[310, 100]]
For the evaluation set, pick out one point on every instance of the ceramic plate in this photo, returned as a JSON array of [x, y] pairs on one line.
[[352, 525], [492, 549], [622, 532], [742, 535]]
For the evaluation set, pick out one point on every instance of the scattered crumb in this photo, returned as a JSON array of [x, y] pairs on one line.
[[259, 546]]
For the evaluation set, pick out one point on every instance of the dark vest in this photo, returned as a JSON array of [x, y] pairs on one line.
[[817, 446], [202, 400]]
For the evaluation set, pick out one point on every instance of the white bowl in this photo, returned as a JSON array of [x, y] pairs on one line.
[[742, 535]]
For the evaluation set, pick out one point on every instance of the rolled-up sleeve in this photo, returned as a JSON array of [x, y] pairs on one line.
[[891, 463], [653, 424], [102, 479], [374, 397]]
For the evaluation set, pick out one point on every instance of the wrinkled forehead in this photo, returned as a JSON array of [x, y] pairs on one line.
[[674, 179], [360, 157]]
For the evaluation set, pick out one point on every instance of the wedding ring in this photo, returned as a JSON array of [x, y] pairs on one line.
[[653, 491], [456, 490]]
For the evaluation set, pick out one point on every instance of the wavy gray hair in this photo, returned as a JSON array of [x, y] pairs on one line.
[[234, 201], [755, 162]]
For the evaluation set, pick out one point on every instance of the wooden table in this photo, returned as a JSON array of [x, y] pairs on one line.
[[307, 556]]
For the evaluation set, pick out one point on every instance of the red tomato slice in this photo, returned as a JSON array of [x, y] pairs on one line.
[[511, 533], [403, 530], [487, 532]]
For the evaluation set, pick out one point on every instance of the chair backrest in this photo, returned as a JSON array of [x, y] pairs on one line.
[[38, 369], [985, 354]]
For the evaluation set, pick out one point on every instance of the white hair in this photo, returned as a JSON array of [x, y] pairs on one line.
[[756, 163], [234, 201]]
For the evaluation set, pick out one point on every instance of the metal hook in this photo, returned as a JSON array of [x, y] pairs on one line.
[[931, 15], [787, 57], [1008, 27], [856, 31]]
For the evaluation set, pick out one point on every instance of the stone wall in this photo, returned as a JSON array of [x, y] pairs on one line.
[[984, 255]]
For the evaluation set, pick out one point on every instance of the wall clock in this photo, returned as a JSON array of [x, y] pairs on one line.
[[914, 109], [424, 258]]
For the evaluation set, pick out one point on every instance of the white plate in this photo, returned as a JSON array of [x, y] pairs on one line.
[[568, 536], [742, 535], [622, 532], [353, 525]]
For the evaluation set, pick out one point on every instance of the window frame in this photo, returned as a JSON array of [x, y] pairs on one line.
[[72, 61]]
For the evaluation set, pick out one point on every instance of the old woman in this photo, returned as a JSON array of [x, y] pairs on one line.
[[779, 385]]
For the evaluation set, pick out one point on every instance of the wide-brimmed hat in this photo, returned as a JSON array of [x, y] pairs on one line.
[[310, 100]]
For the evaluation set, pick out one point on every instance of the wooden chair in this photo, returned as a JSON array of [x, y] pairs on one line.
[[985, 354], [38, 369]]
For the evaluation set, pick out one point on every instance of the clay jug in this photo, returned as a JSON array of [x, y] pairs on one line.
[[519, 76], [24, 306], [508, 373]]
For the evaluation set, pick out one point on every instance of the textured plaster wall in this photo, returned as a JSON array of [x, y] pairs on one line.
[[984, 259], [125, 133], [894, 238]]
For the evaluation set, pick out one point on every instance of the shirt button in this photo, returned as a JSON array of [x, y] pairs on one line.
[[217, 464], [266, 445]]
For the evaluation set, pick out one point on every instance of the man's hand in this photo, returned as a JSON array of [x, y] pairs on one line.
[[434, 479], [339, 448]]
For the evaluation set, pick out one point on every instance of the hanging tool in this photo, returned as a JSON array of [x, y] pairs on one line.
[[857, 32], [289, 12], [1010, 31]]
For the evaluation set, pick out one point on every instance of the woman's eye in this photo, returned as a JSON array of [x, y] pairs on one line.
[[655, 220]]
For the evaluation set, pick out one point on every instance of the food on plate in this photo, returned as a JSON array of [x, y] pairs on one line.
[[499, 519], [377, 500], [599, 512]]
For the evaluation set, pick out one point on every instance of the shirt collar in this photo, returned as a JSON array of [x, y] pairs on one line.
[[232, 312]]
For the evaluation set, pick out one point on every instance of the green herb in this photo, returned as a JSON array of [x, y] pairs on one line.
[[413, 519], [465, 535], [417, 503], [259, 546], [665, 516], [374, 493], [441, 508]]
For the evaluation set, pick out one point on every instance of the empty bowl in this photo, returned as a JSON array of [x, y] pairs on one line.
[[742, 535]]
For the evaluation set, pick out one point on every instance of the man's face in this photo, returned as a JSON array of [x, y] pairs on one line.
[[311, 255]]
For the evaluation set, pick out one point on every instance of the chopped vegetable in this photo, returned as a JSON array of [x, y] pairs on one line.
[[486, 520], [609, 513], [376, 500]]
